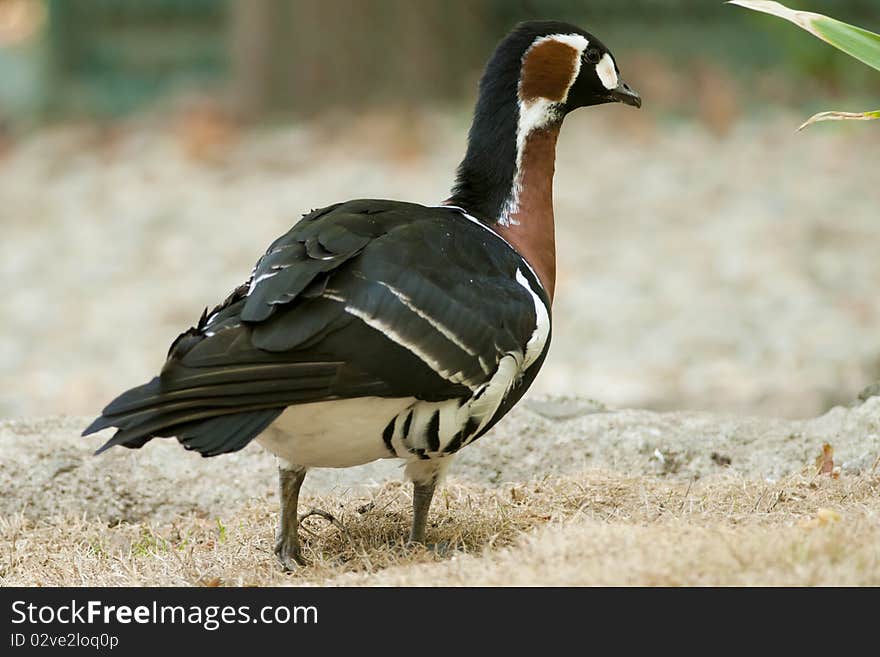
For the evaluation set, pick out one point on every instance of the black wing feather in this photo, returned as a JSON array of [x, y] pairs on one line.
[[221, 435], [309, 249]]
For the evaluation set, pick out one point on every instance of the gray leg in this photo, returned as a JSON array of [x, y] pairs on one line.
[[425, 474], [423, 493], [287, 546]]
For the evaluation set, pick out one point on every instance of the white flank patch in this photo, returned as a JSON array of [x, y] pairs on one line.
[[333, 434], [535, 345], [348, 432], [607, 72]]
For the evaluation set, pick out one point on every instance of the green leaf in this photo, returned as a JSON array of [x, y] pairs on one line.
[[856, 42], [841, 116]]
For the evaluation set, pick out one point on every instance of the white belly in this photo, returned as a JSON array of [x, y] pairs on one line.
[[333, 434]]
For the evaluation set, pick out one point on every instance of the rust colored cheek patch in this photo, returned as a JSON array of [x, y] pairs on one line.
[[548, 71]]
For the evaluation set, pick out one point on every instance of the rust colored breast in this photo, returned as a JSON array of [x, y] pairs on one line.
[[531, 228]]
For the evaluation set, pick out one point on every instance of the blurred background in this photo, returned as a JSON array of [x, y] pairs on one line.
[[710, 257]]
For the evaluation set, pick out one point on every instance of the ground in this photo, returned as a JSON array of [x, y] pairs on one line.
[[726, 266], [563, 492]]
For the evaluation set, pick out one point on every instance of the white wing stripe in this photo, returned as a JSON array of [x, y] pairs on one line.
[[535, 345], [391, 334], [443, 330]]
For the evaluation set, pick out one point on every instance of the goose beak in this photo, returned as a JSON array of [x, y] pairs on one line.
[[626, 95]]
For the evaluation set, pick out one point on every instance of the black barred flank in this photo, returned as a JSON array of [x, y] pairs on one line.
[[454, 444], [470, 428], [388, 434], [433, 432], [407, 422]]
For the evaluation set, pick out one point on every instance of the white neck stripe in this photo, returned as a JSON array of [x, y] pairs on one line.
[[535, 114]]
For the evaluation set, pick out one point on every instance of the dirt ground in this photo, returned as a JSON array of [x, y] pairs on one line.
[[560, 493], [730, 269]]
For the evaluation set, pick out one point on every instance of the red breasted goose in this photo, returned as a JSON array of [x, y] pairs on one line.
[[377, 329]]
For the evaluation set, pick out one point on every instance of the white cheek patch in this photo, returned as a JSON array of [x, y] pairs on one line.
[[607, 72]]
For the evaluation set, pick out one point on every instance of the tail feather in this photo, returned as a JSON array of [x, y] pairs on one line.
[[211, 419], [221, 435], [159, 391], [213, 405], [210, 437], [216, 409], [167, 424]]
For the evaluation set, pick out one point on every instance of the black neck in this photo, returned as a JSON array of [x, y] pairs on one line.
[[486, 174]]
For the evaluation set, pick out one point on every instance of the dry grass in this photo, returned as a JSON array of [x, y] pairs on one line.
[[598, 528]]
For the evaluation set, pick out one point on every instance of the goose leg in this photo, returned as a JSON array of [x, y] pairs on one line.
[[287, 547], [425, 475], [423, 493]]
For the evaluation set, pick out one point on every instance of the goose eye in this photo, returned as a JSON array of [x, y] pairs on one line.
[[593, 55]]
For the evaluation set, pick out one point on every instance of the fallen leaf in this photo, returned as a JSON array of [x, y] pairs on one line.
[[824, 517], [827, 516], [825, 460]]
